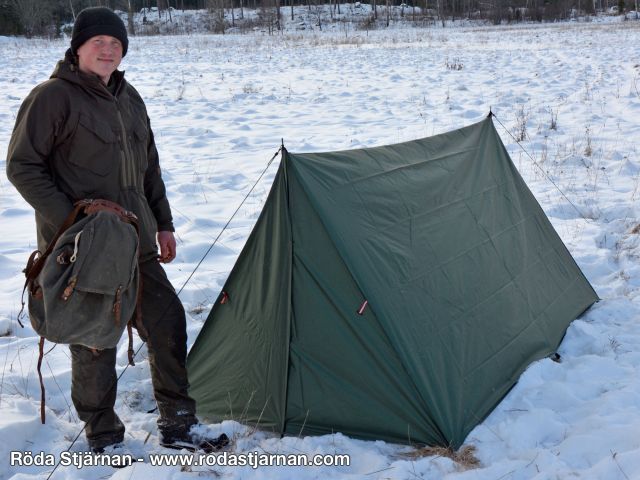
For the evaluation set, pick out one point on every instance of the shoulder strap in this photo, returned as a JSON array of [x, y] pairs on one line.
[[37, 259], [34, 266]]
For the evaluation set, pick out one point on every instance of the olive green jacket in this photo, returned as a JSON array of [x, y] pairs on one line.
[[73, 139]]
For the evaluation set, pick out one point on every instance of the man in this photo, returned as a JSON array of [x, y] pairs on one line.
[[85, 133]]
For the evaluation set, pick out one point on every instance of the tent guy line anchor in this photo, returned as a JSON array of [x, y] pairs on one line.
[[179, 291]]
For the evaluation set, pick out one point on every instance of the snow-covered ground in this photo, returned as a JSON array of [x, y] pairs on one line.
[[220, 106]]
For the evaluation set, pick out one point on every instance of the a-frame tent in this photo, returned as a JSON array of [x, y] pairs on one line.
[[392, 293]]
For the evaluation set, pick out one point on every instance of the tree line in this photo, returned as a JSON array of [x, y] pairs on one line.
[[47, 17]]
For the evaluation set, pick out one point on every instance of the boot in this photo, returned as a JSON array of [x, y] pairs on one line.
[[194, 442]]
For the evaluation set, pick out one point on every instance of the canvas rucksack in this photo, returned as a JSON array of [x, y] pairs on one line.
[[84, 288]]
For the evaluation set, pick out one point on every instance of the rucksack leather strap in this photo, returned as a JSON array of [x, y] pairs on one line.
[[35, 265], [39, 368], [97, 205]]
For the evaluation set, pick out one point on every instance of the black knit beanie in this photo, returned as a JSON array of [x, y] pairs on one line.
[[98, 21]]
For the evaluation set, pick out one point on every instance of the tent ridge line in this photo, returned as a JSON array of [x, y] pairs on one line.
[[402, 167], [394, 145]]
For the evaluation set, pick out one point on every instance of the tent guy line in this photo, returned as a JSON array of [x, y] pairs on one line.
[[537, 165]]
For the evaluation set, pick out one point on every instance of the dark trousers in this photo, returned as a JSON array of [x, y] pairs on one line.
[[93, 373]]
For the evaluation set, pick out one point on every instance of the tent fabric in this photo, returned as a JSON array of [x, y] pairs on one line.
[[246, 348], [466, 281]]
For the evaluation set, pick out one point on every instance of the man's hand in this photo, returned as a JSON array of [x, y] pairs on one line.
[[167, 247]]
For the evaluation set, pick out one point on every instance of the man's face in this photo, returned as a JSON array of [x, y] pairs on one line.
[[100, 55]]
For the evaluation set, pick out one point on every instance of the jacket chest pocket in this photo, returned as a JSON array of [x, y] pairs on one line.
[[94, 147]]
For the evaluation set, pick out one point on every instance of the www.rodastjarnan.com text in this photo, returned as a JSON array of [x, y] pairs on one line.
[[222, 459]]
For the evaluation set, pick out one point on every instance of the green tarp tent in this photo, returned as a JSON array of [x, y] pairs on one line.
[[392, 293]]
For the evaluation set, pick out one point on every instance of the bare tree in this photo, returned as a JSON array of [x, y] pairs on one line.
[[130, 24], [269, 14], [439, 10], [318, 12], [164, 5], [33, 15], [216, 9]]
